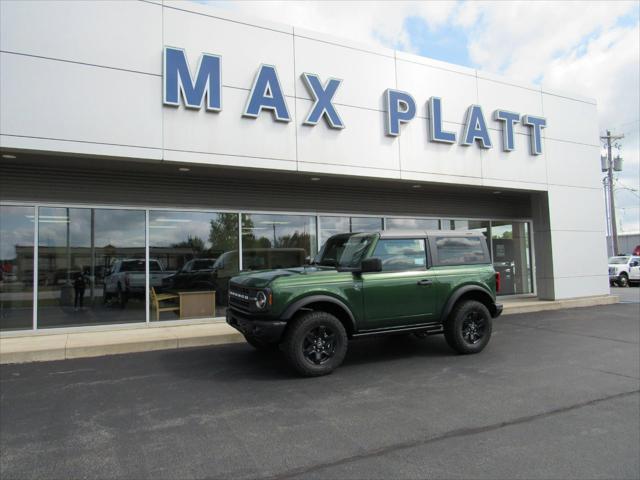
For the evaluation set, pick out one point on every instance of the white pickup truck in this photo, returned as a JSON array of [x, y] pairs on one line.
[[624, 270], [126, 279]]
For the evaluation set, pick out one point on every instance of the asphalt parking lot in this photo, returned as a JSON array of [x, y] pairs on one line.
[[554, 395]]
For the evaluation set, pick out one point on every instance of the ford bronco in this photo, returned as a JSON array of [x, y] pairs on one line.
[[363, 284]]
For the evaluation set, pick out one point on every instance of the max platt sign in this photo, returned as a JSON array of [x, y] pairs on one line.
[[204, 89]]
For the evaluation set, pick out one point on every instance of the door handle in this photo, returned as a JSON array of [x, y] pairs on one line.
[[424, 282]]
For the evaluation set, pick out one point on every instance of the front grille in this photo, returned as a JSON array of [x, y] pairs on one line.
[[241, 297]]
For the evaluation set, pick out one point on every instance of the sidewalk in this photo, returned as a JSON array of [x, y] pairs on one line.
[[59, 346]]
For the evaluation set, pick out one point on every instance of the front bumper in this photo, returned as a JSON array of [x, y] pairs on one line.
[[267, 330]]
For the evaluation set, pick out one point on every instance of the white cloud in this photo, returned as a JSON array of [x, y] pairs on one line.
[[377, 22], [576, 47]]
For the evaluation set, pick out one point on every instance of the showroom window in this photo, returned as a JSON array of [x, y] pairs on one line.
[[330, 225], [412, 223], [16, 267], [197, 254], [88, 266], [510, 245], [277, 241], [91, 266]]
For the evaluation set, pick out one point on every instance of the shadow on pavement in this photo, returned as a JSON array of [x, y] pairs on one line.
[[241, 362]]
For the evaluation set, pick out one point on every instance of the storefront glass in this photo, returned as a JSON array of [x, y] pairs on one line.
[[92, 269], [197, 254], [512, 256], [16, 267], [333, 225], [366, 224], [412, 223], [277, 241], [90, 266]]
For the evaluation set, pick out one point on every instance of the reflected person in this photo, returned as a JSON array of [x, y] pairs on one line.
[[79, 285]]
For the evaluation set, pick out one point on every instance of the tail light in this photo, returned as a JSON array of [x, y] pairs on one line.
[[497, 282]]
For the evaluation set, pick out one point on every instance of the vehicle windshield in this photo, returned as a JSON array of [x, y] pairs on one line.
[[345, 250], [618, 260]]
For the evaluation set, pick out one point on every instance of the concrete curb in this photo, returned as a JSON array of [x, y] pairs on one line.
[[534, 305], [61, 346]]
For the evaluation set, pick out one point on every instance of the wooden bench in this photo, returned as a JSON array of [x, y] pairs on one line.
[[157, 298]]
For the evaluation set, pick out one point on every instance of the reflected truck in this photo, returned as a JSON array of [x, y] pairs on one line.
[[214, 274]]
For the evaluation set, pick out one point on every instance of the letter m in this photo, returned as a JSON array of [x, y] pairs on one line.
[[179, 81]]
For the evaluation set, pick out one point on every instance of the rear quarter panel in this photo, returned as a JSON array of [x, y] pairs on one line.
[[449, 279]]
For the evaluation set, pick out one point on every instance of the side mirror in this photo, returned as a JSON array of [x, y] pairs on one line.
[[373, 264]]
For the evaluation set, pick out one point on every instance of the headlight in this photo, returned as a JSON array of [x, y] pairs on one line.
[[262, 300]]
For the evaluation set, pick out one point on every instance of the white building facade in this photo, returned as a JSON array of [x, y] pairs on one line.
[[199, 143]]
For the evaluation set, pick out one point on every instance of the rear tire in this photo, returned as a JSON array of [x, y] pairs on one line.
[[315, 344], [261, 345], [468, 328]]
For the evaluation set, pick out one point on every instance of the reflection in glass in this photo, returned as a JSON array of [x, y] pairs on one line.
[[412, 223], [333, 225], [16, 267], [83, 258], [198, 252], [277, 241], [366, 224], [512, 256]]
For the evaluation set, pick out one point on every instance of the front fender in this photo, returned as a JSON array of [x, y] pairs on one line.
[[308, 300]]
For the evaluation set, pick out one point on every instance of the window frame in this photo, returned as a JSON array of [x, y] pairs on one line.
[[425, 244], [436, 260]]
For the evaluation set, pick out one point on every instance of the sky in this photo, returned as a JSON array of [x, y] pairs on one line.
[[589, 48]]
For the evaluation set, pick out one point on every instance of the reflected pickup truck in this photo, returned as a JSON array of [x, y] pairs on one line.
[[127, 279], [365, 284]]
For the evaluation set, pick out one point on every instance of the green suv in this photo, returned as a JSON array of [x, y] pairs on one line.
[[363, 284]]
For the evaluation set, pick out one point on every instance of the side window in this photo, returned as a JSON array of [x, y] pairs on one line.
[[460, 250], [401, 254]]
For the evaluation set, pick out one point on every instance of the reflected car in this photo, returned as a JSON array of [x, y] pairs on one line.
[[127, 279], [214, 274], [196, 274]]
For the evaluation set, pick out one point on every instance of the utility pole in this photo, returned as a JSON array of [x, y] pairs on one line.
[[612, 203]]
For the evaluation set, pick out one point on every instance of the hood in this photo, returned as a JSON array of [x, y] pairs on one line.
[[263, 278]]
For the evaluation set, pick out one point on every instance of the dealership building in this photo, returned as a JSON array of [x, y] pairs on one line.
[[210, 143]]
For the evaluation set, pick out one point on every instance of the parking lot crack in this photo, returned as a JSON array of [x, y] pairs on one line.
[[463, 432]]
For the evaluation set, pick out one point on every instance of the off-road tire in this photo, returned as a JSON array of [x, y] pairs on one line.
[[623, 280], [315, 324], [261, 345], [457, 328]]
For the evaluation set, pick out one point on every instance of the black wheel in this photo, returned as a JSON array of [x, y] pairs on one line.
[[121, 298], [315, 344], [468, 328], [623, 280], [261, 345]]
